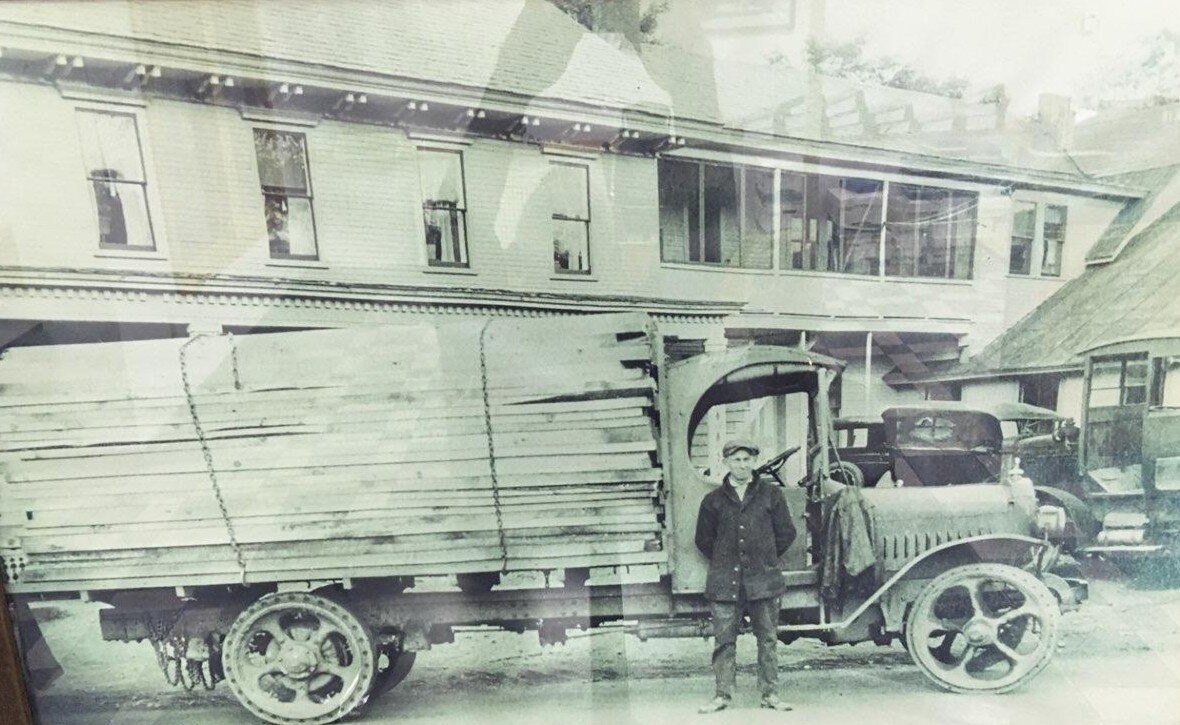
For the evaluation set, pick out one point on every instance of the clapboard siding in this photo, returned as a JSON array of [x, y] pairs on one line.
[[368, 221]]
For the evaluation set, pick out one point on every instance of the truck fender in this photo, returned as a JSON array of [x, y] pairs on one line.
[[902, 588]]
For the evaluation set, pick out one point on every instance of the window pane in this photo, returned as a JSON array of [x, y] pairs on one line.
[[568, 187], [1024, 219], [110, 146], [679, 211], [445, 236], [860, 227], [571, 249], [1054, 240], [722, 227], [289, 226], [798, 251], [1023, 230], [282, 160], [1171, 383], [757, 245], [964, 213], [441, 176], [904, 230], [122, 215], [1105, 378]]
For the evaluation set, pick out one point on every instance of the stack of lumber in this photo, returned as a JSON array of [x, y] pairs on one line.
[[337, 453]]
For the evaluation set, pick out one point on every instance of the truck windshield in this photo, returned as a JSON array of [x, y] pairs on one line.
[[768, 405]]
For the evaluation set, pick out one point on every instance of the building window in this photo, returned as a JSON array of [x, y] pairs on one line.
[[930, 232], [1053, 233], [1165, 385], [444, 207], [1118, 381], [1024, 225], [114, 167], [716, 214], [286, 193], [569, 189], [1038, 239], [1040, 390]]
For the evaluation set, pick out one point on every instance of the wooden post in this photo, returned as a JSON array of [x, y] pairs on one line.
[[14, 700]]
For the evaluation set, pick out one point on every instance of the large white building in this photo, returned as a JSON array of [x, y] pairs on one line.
[[169, 167]]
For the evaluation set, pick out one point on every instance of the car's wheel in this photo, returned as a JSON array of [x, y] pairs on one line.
[[983, 628]]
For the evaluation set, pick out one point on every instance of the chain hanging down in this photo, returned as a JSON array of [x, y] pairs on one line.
[[487, 417], [206, 452]]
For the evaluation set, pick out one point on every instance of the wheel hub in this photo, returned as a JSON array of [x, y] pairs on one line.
[[298, 660], [979, 633]]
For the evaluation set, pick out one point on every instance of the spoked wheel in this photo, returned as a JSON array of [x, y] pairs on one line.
[[983, 628], [297, 657]]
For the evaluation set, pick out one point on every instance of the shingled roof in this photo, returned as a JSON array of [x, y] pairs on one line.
[[1134, 295], [523, 47], [528, 49]]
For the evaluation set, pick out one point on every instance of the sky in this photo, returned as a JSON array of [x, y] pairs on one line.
[[1031, 46]]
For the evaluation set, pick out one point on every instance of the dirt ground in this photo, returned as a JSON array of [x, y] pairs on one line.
[[1118, 662]]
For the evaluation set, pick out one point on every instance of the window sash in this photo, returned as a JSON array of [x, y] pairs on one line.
[[282, 161], [571, 246], [290, 226], [446, 236], [441, 178], [111, 147], [124, 219]]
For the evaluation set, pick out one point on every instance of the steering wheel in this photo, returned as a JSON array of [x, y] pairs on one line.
[[774, 465]]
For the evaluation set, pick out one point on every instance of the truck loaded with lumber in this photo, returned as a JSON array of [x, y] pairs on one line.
[[300, 513]]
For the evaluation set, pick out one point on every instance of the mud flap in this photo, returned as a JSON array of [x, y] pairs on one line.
[[41, 667]]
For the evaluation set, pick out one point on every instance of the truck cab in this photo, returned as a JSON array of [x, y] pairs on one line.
[[1130, 445]]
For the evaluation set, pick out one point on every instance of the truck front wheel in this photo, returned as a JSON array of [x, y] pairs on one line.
[[983, 628]]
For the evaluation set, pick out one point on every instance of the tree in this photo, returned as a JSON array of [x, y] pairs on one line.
[[635, 20], [847, 60], [1150, 77]]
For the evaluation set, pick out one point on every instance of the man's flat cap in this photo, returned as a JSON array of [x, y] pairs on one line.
[[739, 444]]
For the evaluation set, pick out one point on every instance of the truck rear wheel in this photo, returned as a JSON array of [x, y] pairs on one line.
[[983, 628], [297, 657]]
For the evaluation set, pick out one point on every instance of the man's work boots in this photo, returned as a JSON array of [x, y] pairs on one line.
[[717, 704], [771, 702]]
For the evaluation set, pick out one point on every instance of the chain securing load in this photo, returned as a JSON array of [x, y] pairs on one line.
[[487, 417], [186, 662]]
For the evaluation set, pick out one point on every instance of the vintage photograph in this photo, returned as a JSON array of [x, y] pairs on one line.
[[589, 361]]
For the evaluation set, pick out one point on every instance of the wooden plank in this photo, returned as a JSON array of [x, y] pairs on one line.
[[291, 528], [234, 578], [337, 421], [380, 477], [331, 502], [379, 556], [345, 438], [517, 459]]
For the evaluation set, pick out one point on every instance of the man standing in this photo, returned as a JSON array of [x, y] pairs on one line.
[[743, 527]]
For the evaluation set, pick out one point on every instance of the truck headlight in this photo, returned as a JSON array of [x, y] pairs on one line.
[[1050, 521]]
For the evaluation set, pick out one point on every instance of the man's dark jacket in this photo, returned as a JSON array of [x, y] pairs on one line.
[[743, 540]]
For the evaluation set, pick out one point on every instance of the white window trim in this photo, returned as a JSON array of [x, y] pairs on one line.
[[435, 144], [119, 106], [1037, 252], [320, 262], [584, 163]]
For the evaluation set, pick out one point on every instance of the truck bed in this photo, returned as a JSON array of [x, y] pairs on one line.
[[336, 454]]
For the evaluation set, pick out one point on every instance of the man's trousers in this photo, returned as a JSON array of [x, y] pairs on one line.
[[727, 618]]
